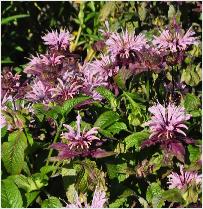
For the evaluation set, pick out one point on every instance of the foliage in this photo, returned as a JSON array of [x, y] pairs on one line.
[[92, 144]]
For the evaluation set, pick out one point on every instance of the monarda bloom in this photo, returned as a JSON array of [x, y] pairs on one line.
[[175, 41], [57, 40], [98, 201], [183, 180], [122, 44], [78, 143], [65, 90], [92, 79], [39, 93], [105, 66], [167, 126]]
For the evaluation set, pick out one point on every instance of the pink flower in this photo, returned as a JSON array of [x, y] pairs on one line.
[[77, 139], [35, 66], [105, 67], [184, 179], [52, 60], [92, 79], [57, 40], [98, 201], [175, 40], [39, 93], [167, 121], [65, 90], [122, 44]]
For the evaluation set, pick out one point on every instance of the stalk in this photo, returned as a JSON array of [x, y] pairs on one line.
[[55, 139]]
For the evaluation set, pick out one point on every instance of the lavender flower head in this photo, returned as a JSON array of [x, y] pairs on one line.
[[184, 179], [65, 90], [78, 140], [39, 92], [122, 44], [105, 66], [98, 201], [58, 40], [167, 121], [175, 41], [92, 79]]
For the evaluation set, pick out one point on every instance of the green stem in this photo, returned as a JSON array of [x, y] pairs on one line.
[[55, 138], [77, 38]]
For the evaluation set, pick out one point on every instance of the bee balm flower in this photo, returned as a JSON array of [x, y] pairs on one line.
[[122, 44], [184, 179], [166, 122], [57, 40]]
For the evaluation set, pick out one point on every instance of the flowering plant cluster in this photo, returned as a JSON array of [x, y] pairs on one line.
[[121, 129]]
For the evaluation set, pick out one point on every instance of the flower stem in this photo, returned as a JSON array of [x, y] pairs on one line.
[[55, 138]]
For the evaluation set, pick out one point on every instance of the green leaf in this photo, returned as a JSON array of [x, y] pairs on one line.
[[10, 195], [31, 196], [154, 195], [109, 96], [194, 153], [106, 119], [122, 199], [52, 202], [118, 171], [192, 75], [13, 152], [191, 102], [6, 20], [117, 127], [70, 104], [135, 139], [47, 169], [29, 184], [173, 195], [106, 10]]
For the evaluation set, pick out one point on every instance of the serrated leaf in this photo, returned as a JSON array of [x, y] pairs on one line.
[[121, 199], [70, 104], [108, 95], [29, 183], [117, 127], [46, 169], [106, 119], [13, 152], [135, 139], [51, 202], [31, 196], [10, 195], [173, 195], [154, 195], [118, 171], [191, 102], [194, 153]]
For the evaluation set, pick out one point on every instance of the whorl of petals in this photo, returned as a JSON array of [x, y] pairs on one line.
[[57, 40], [167, 121], [77, 139], [39, 92], [184, 179], [175, 41], [122, 44]]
